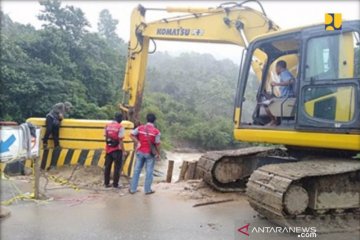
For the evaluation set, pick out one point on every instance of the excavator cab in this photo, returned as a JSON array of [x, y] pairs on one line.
[[258, 87], [319, 127], [325, 67]]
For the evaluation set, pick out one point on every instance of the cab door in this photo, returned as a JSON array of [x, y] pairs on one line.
[[329, 88]]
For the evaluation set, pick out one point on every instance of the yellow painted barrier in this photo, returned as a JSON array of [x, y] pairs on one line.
[[82, 143], [27, 163]]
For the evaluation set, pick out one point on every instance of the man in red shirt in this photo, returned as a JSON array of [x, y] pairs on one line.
[[114, 148], [147, 140]]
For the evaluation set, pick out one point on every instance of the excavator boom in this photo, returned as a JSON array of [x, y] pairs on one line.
[[226, 24]]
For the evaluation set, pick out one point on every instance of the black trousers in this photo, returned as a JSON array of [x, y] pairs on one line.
[[116, 157], [52, 127]]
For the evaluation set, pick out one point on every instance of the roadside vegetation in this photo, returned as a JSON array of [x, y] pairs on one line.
[[192, 94]]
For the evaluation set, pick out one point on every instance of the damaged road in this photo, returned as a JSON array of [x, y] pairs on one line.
[[95, 213]]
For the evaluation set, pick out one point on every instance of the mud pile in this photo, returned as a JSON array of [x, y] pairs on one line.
[[195, 190]]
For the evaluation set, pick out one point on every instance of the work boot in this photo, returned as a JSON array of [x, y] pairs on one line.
[[151, 192], [131, 191]]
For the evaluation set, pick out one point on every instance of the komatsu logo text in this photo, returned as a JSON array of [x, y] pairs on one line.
[[179, 31]]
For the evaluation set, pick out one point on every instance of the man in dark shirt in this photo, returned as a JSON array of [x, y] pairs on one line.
[[53, 120]]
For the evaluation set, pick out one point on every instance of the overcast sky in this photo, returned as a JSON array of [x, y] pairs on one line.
[[286, 14]]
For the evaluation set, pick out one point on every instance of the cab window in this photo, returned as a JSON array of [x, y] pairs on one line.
[[330, 60], [332, 57], [261, 74]]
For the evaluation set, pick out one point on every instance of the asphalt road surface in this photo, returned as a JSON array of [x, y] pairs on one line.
[[115, 214]]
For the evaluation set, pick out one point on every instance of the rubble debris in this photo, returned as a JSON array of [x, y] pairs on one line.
[[212, 202]]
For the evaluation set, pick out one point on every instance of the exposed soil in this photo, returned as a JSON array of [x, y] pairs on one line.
[[91, 178]]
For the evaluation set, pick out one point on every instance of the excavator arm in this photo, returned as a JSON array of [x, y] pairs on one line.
[[230, 23]]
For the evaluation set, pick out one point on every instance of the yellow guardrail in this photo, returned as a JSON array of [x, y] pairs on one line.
[[82, 143]]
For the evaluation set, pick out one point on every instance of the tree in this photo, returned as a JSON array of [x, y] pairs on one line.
[[69, 19], [29, 86], [42, 67], [107, 29], [107, 25]]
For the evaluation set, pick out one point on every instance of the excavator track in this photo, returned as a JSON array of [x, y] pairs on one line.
[[322, 193], [228, 171]]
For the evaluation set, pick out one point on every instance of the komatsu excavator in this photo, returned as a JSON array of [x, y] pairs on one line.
[[313, 177]]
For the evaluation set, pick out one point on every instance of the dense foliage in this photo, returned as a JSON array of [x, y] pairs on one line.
[[192, 94], [62, 61]]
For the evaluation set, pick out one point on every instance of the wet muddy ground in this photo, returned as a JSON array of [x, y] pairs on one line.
[[97, 213]]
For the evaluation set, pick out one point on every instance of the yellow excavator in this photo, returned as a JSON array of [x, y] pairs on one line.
[[313, 178]]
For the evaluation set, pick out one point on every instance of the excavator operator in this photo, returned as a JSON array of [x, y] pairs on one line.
[[286, 84]]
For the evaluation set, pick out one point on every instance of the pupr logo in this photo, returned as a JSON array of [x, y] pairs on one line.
[[333, 21]]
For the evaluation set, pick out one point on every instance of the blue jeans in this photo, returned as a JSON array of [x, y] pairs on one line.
[[149, 161]]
